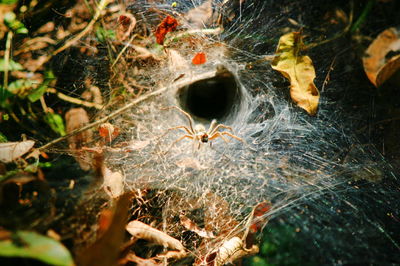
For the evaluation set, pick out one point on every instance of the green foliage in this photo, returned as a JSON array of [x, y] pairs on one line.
[[56, 123], [8, 2], [279, 246], [3, 138], [38, 92], [10, 19], [20, 87], [32, 245], [102, 34], [12, 65]]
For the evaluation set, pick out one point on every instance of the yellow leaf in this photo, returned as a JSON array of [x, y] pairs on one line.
[[299, 70]]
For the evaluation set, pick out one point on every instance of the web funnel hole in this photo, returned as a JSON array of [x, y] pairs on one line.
[[211, 98]]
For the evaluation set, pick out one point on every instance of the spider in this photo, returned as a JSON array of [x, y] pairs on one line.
[[199, 133]]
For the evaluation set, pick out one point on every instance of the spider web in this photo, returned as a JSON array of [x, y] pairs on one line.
[[327, 187]]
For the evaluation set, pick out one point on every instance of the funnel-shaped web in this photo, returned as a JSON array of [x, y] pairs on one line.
[[305, 167]]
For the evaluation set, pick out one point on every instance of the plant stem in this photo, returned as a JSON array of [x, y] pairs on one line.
[[7, 59], [363, 16], [106, 118]]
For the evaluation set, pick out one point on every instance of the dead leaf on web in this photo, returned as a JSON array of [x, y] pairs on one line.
[[167, 25], [299, 70], [143, 231], [126, 24], [378, 66], [113, 183], [230, 251], [144, 53], [176, 62], [192, 226], [108, 132], [76, 118], [199, 58], [201, 16], [10, 151]]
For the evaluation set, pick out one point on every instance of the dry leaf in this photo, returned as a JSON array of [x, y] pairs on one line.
[[299, 70], [10, 151], [192, 226], [105, 250], [108, 132], [126, 24], [168, 24], [377, 66], [201, 16], [113, 183], [76, 118], [143, 231], [230, 251], [199, 59], [176, 62], [144, 53]]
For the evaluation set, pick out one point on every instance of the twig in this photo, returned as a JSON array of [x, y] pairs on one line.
[[328, 75], [123, 50], [363, 15], [104, 119], [44, 105], [337, 36], [7, 59], [101, 6], [70, 99]]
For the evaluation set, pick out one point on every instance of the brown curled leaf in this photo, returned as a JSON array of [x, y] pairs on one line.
[[377, 65], [299, 70], [230, 251]]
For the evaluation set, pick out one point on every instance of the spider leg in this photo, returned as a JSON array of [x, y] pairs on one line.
[[184, 113], [216, 135], [181, 138], [231, 135], [181, 127], [220, 126], [212, 126]]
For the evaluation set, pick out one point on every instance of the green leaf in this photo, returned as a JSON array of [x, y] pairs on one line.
[[103, 34], [12, 65], [3, 138], [32, 245], [19, 86], [56, 123], [8, 2], [10, 19], [38, 92]]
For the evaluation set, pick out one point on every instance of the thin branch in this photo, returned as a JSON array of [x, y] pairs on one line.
[[340, 34], [328, 75], [123, 50], [100, 8], [70, 99], [7, 59], [106, 118]]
